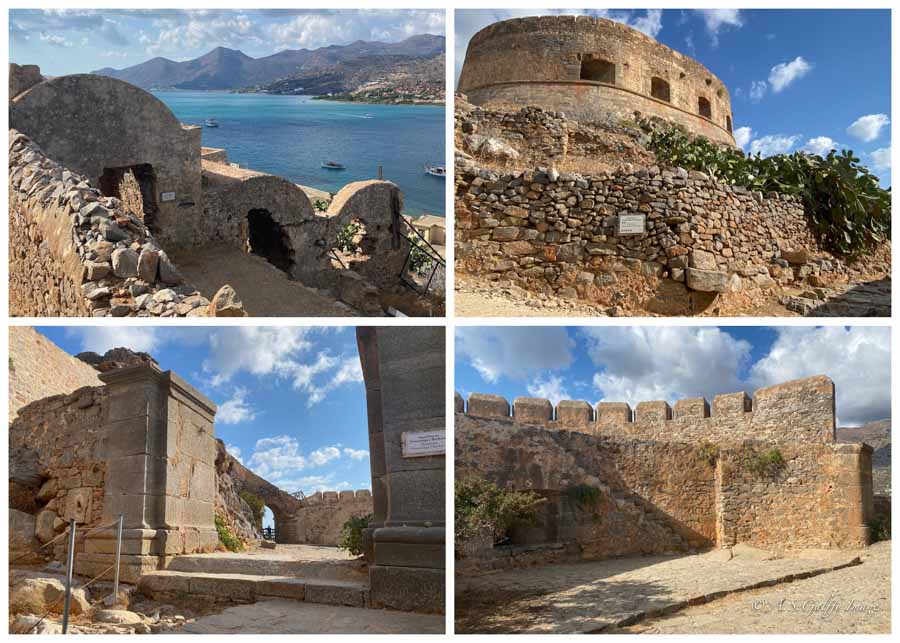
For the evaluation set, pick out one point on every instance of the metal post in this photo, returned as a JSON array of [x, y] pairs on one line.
[[70, 566], [118, 555], [380, 173]]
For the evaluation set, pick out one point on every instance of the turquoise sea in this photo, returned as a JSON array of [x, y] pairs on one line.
[[290, 136]]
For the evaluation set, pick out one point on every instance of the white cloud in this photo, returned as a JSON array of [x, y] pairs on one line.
[[664, 363], [742, 136], [236, 409], [858, 359], [324, 455], [881, 159], [773, 144], [717, 20], [356, 454], [56, 41], [758, 90], [277, 458], [551, 388], [346, 371], [514, 352], [820, 145], [783, 75], [234, 451], [100, 339], [868, 128]]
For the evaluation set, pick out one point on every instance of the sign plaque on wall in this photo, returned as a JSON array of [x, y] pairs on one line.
[[418, 444], [632, 224], [167, 196]]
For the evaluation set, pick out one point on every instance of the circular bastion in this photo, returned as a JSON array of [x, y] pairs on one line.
[[590, 68]]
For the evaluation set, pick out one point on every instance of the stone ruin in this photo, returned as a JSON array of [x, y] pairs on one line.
[[764, 471], [141, 443], [104, 181]]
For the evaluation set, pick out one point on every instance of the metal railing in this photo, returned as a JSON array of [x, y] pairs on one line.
[[72, 531], [438, 267]]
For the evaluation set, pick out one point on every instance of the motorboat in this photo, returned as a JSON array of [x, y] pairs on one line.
[[436, 170], [211, 122], [333, 165]]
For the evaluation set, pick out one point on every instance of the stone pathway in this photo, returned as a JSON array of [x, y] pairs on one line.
[[264, 290], [599, 595], [854, 600], [871, 299], [291, 617]]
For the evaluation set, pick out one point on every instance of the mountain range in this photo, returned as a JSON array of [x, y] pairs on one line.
[[325, 69]]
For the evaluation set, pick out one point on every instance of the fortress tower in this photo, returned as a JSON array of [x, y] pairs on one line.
[[590, 67]]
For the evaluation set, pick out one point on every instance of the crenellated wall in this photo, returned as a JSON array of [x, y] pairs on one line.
[[672, 477], [322, 516]]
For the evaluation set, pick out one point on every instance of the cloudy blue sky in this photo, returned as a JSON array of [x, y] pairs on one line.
[[799, 79], [646, 363], [78, 41], [291, 400]]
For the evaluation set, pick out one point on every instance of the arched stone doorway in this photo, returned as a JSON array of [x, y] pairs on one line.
[[135, 187], [269, 240]]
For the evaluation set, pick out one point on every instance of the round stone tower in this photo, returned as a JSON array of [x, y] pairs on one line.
[[590, 67]]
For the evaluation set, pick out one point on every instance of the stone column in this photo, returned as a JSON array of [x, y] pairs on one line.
[[404, 371], [852, 472], [160, 453]]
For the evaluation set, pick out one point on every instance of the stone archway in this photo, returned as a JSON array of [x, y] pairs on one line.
[[268, 239]]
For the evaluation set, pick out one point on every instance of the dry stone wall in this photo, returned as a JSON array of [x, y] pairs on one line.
[[75, 252], [323, 514], [39, 369], [57, 468], [764, 471], [591, 67], [559, 233]]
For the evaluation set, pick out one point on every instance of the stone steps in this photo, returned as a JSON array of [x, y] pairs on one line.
[[248, 588], [652, 515], [268, 566]]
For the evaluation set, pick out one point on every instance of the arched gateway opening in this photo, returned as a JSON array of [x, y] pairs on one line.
[[135, 187], [268, 239]]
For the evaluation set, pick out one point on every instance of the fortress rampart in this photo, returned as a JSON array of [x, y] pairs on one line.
[[592, 67], [764, 471], [323, 514]]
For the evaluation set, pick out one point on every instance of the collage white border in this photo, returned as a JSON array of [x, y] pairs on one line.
[[450, 322]]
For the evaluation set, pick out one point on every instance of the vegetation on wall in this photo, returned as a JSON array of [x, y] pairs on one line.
[[585, 496], [345, 238], [480, 505], [767, 463], [257, 506], [351, 534], [879, 529], [707, 452], [227, 539], [847, 208]]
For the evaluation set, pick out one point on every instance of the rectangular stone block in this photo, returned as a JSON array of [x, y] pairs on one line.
[[696, 407], [613, 413], [731, 404], [293, 588], [574, 413], [658, 411], [484, 405], [335, 593], [532, 409], [407, 588]]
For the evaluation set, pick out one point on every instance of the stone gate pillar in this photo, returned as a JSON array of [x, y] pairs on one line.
[[404, 371], [160, 474]]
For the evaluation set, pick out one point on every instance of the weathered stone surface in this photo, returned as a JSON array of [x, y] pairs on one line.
[[148, 263], [707, 280], [118, 617], [125, 263], [226, 303], [36, 592]]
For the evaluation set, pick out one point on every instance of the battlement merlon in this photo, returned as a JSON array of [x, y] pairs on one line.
[[799, 411]]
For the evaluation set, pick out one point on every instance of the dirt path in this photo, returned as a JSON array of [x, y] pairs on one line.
[[264, 290]]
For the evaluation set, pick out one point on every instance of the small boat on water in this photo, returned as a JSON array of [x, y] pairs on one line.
[[436, 170], [211, 122], [333, 165]]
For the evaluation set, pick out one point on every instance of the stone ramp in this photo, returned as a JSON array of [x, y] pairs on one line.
[[601, 595], [278, 616], [248, 588]]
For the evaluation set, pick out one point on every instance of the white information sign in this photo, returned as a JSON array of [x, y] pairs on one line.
[[168, 196], [632, 224], [418, 444]]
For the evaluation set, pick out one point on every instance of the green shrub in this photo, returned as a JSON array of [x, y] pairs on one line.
[[226, 537], [768, 463], [419, 259], [585, 496], [320, 205], [846, 206], [479, 505], [345, 242], [351, 534], [879, 528], [257, 506], [707, 452]]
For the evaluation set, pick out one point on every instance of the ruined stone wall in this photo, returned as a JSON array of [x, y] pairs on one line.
[[592, 67], [38, 369], [57, 465], [323, 514], [693, 474], [75, 252], [93, 125], [558, 233]]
